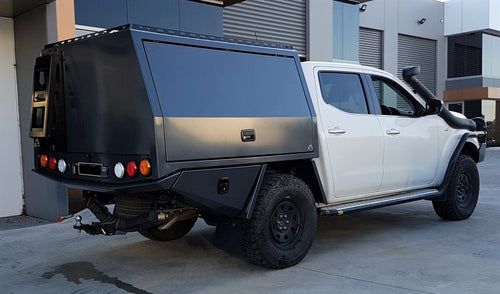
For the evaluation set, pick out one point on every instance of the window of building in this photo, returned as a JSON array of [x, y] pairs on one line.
[[491, 59], [393, 101], [465, 55], [472, 108], [456, 106], [343, 91]]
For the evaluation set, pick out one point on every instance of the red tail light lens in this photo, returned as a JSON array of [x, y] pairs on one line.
[[52, 163], [132, 169], [44, 160]]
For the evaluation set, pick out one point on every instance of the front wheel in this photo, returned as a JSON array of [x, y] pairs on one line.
[[462, 191], [283, 223]]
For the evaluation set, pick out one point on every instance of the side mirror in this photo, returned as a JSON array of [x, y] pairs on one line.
[[433, 106]]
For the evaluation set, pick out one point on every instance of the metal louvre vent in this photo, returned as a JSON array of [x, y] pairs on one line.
[[282, 21], [420, 52], [370, 47]]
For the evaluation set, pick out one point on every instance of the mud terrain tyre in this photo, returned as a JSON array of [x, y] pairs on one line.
[[461, 193], [283, 223], [177, 231]]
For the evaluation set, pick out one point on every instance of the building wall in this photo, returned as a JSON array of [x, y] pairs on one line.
[[497, 122], [33, 29], [319, 30], [181, 15], [395, 17], [10, 157]]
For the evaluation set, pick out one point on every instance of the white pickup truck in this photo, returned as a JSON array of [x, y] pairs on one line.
[[171, 127]]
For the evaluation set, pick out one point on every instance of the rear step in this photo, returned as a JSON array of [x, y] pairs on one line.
[[340, 209]]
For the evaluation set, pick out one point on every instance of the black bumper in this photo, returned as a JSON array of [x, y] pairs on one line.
[[220, 191]]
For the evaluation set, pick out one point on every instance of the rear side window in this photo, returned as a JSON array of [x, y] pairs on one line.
[[343, 91]]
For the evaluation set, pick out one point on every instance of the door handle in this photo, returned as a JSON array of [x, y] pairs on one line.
[[392, 132], [336, 131]]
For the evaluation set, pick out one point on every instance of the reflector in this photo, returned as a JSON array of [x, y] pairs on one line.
[[61, 165], [119, 170]]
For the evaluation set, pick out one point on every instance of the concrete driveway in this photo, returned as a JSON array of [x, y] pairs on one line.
[[400, 249]]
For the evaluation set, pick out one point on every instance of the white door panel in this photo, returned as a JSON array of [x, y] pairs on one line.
[[353, 137], [411, 151], [410, 138], [356, 153]]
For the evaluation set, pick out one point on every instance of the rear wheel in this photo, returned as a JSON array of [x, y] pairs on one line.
[[176, 231], [283, 223], [462, 191]]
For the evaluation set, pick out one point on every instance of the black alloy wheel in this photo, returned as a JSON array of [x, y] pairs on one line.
[[462, 191], [283, 223]]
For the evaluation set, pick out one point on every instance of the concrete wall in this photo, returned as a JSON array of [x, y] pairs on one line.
[[319, 30], [33, 29], [396, 17], [11, 198]]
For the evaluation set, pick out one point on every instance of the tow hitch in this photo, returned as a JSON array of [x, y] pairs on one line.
[[95, 228]]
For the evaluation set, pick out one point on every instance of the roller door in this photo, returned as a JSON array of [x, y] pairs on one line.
[[370, 47], [281, 21], [421, 52]]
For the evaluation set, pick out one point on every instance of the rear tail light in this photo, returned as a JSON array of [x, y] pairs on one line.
[[44, 160], [119, 170], [132, 169], [145, 167], [61, 165], [52, 163]]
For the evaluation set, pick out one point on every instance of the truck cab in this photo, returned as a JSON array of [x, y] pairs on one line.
[[394, 145]]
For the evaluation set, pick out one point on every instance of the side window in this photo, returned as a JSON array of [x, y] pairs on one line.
[[393, 101], [343, 91]]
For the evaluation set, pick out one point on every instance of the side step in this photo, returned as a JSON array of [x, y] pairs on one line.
[[340, 209]]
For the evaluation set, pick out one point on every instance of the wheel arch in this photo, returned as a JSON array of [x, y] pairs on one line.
[[305, 170], [471, 150], [464, 147]]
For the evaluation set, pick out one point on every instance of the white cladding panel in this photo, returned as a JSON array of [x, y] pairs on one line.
[[463, 16], [10, 174]]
